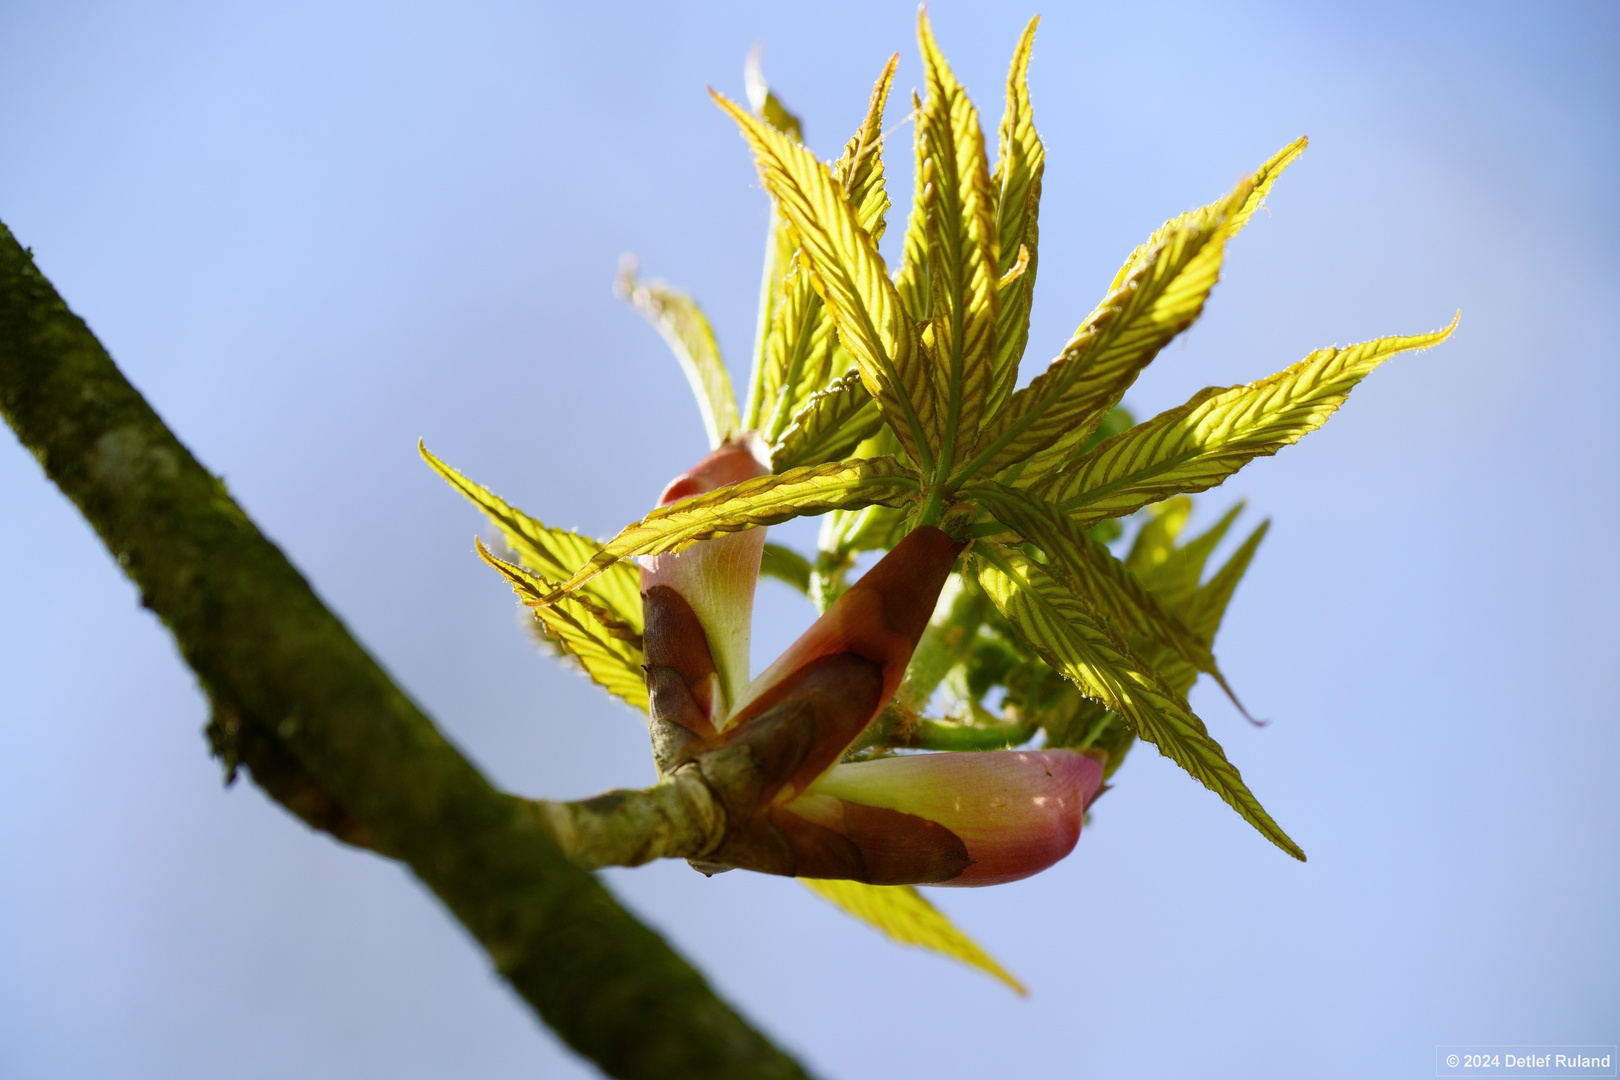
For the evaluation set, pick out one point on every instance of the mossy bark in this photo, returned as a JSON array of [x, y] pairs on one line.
[[322, 728]]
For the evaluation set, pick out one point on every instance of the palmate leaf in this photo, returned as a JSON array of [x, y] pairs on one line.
[[911, 280], [1204, 610], [800, 350], [1051, 621], [686, 329], [779, 243], [553, 554], [764, 102], [1201, 443], [1094, 575], [608, 649], [860, 167], [831, 424], [900, 912], [1202, 607], [763, 500], [852, 281], [1016, 188], [963, 266], [798, 354], [1156, 540], [1160, 293], [1175, 575]]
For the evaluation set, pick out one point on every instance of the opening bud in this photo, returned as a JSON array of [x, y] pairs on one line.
[[699, 603], [1003, 814]]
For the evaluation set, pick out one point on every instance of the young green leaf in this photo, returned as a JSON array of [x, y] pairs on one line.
[[800, 349], [683, 325], [1160, 293], [1093, 574], [860, 168], [852, 281], [1203, 612], [1202, 609], [786, 565], [1116, 341], [911, 280], [946, 643], [798, 354], [748, 504], [551, 553], [779, 242], [1263, 179], [900, 912], [1217, 432], [1016, 189], [1156, 540], [766, 104], [963, 268], [1058, 627], [1176, 578], [831, 424], [608, 649]]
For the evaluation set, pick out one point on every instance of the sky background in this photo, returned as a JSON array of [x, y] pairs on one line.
[[312, 233]]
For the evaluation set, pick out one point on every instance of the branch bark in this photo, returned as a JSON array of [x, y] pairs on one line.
[[323, 729]]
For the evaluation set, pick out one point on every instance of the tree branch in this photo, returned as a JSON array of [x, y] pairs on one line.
[[324, 731]]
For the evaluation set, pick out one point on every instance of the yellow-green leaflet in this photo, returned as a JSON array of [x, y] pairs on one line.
[[1203, 611], [947, 642], [1263, 178], [787, 566], [609, 651], [1069, 638], [798, 354], [799, 347], [911, 280], [779, 242], [1059, 408], [554, 554], [963, 263], [1202, 607], [763, 500], [831, 424], [1201, 443], [1156, 540], [764, 102], [1092, 573], [852, 281], [900, 912], [860, 169], [1176, 575], [779, 249], [684, 327], [1160, 293], [1016, 189]]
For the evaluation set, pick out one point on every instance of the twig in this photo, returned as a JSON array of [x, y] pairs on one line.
[[323, 729]]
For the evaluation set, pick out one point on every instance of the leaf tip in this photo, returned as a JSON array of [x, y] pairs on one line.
[[744, 119], [484, 552], [624, 280], [754, 83], [433, 460], [925, 30]]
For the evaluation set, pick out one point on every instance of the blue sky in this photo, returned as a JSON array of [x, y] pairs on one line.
[[314, 233]]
